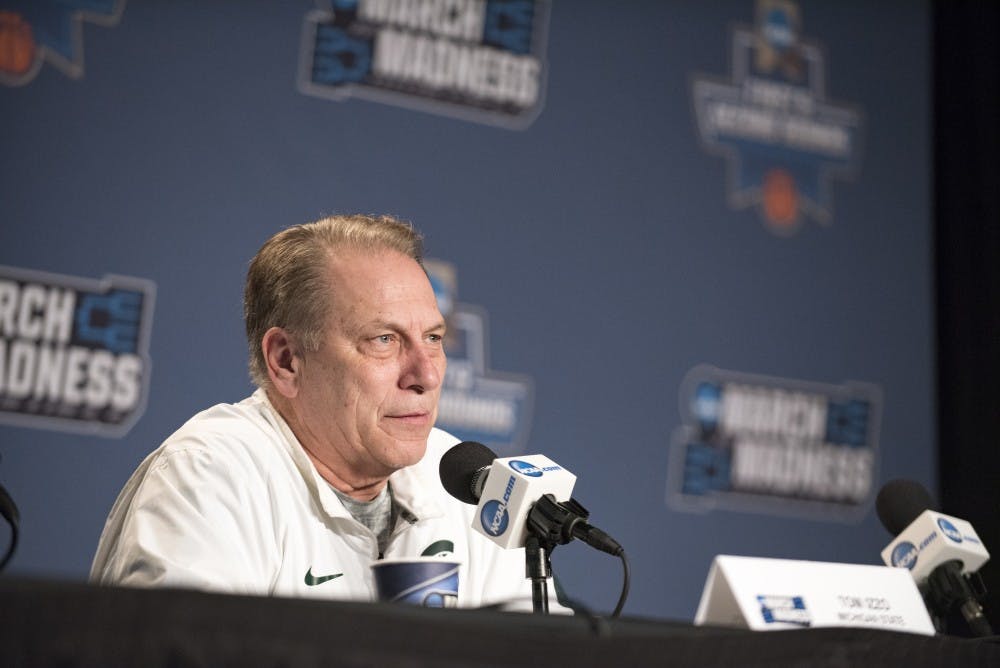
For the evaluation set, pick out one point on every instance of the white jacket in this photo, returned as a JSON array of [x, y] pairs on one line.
[[231, 502]]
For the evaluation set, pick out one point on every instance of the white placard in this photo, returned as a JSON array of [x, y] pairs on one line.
[[771, 594]]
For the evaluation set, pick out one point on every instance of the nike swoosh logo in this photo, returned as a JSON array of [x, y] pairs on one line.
[[313, 580]]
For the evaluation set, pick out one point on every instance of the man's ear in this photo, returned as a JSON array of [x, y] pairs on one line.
[[284, 363]]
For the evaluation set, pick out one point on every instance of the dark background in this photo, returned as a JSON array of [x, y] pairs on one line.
[[967, 234]]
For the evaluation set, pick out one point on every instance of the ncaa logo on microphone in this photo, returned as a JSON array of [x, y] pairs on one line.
[[949, 530], [905, 555], [526, 469], [494, 516]]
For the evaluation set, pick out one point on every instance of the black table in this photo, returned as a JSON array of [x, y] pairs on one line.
[[67, 624]]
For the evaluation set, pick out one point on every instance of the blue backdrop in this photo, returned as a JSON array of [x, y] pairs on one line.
[[601, 240]]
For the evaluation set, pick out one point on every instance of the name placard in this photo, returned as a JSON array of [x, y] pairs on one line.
[[771, 594]]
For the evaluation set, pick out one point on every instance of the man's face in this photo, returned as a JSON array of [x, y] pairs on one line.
[[368, 397]]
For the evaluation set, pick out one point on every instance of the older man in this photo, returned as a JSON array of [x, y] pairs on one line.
[[332, 463]]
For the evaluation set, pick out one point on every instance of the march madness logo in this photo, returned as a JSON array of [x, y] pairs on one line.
[[782, 138], [774, 445], [482, 60], [33, 32], [784, 610], [477, 403], [74, 352]]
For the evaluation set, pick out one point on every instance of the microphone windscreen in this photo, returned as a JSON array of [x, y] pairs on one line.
[[901, 501], [460, 464]]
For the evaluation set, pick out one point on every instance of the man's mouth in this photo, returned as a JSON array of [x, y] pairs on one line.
[[412, 417]]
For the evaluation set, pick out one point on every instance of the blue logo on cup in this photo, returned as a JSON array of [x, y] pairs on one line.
[[525, 468], [432, 583], [949, 530], [905, 555]]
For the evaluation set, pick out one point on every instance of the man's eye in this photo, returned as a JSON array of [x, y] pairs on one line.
[[435, 338], [384, 338]]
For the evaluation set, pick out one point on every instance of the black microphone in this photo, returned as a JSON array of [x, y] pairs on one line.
[[901, 501], [8, 509], [527, 499], [943, 553], [464, 470]]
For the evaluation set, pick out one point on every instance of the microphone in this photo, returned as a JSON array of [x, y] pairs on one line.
[[464, 469], [519, 495], [8, 509], [941, 552]]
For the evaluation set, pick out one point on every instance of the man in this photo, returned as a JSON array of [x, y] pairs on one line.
[[333, 462]]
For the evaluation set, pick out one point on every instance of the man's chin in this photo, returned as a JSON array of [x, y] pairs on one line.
[[407, 452]]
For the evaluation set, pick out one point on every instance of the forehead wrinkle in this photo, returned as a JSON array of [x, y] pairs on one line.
[[360, 288], [400, 326]]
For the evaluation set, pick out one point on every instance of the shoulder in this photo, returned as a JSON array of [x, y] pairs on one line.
[[252, 416], [226, 436]]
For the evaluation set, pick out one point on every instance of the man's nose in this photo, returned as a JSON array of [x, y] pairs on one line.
[[423, 369]]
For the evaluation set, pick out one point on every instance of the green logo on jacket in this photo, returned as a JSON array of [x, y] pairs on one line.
[[440, 548]]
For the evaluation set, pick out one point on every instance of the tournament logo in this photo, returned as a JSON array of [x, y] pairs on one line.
[[494, 516], [36, 31], [784, 610], [524, 468], [904, 555], [481, 60], [771, 120], [477, 403], [774, 445], [74, 352], [949, 530]]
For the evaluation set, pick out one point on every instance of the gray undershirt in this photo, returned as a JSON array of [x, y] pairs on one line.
[[379, 514]]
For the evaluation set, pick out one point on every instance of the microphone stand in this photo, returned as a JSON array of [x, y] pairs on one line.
[[550, 523], [947, 589], [537, 568]]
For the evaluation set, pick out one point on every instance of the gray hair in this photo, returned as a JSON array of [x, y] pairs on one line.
[[288, 273]]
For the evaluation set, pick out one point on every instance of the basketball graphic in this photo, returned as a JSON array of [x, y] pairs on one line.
[[17, 45], [781, 202]]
